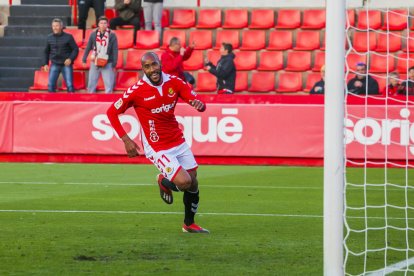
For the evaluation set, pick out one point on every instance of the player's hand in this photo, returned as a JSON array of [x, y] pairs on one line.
[[198, 105], [130, 146]]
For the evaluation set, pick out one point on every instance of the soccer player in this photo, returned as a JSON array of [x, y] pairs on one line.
[[154, 98]]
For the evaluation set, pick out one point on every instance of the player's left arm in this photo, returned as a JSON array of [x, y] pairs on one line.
[[189, 96]]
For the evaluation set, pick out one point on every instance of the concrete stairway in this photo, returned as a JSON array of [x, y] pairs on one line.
[[22, 47]]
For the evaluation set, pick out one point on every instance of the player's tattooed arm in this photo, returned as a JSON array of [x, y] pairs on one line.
[[198, 105], [130, 146]]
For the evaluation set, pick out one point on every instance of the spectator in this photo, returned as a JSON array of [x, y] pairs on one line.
[[104, 44], [393, 84], [84, 6], [172, 60], [128, 11], [61, 50], [225, 71], [407, 87], [153, 12], [362, 83], [319, 86]]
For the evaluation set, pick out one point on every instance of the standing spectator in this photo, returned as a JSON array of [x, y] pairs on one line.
[[84, 6], [153, 12], [104, 44], [225, 71], [362, 83], [61, 50], [393, 84], [319, 87], [128, 11], [172, 60], [407, 87]]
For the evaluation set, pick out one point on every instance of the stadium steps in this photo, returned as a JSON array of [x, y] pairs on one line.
[[21, 49]]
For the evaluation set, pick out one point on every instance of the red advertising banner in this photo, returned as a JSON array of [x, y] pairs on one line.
[[261, 130]]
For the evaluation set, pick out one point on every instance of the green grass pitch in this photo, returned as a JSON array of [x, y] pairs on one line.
[[82, 219]]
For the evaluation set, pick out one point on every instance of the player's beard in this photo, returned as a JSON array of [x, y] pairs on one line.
[[156, 83]]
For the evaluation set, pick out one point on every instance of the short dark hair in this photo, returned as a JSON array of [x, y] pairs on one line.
[[103, 18], [411, 68], [174, 40], [228, 47]]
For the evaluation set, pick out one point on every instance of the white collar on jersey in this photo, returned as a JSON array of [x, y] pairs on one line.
[[165, 78]]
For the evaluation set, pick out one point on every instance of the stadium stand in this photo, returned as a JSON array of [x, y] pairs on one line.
[[253, 40], [388, 42], [311, 79], [307, 40], [289, 82], [395, 20], [369, 19], [183, 19], [235, 19], [245, 60], [314, 19], [262, 82], [203, 39], [288, 19], [209, 19], [270, 61], [262, 19], [280, 40]]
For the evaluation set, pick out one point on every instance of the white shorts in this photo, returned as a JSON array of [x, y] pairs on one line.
[[170, 161]]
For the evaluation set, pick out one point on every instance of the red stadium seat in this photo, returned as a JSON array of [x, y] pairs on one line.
[[168, 34], [262, 82], [311, 79], [110, 13], [307, 40], [253, 40], [77, 35], [382, 82], [280, 40], [314, 19], [241, 81], [319, 61], [41, 80], [395, 20], [87, 35], [369, 19], [350, 18], [235, 19], [195, 62], [125, 79], [289, 82], [165, 19], [288, 19], [404, 62], [101, 85], [227, 36], [77, 64], [409, 43], [203, 39], [183, 18], [271, 61], [364, 41], [352, 59], [245, 60], [120, 61], [262, 19], [79, 82], [209, 19], [381, 63], [147, 40], [213, 56], [298, 61], [388, 42], [206, 82], [125, 38], [133, 59]]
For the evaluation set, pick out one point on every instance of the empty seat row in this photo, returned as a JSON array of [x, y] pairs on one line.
[[262, 82], [382, 42], [124, 79], [378, 63], [392, 20]]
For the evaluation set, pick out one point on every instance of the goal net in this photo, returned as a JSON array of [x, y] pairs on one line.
[[379, 142]]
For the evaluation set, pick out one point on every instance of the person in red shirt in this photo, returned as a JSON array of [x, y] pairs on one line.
[[154, 98], [393, 84], [174, 56]]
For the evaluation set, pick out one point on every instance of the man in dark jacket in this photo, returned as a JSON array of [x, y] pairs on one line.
[[407, 87], [128, 11], [363, 84], [225, 71], [61, 50], [319, 86]]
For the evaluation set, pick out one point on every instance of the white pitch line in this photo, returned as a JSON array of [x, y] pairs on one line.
[[148, 184], [392, 268]]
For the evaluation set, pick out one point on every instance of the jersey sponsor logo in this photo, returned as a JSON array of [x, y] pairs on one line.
[[149, 98], [164, 108], [118, 103], [171, 92]]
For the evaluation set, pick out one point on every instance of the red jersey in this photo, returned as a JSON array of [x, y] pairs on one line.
[[154, 106]]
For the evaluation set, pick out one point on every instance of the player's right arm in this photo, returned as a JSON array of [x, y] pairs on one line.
[[113, 112]]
